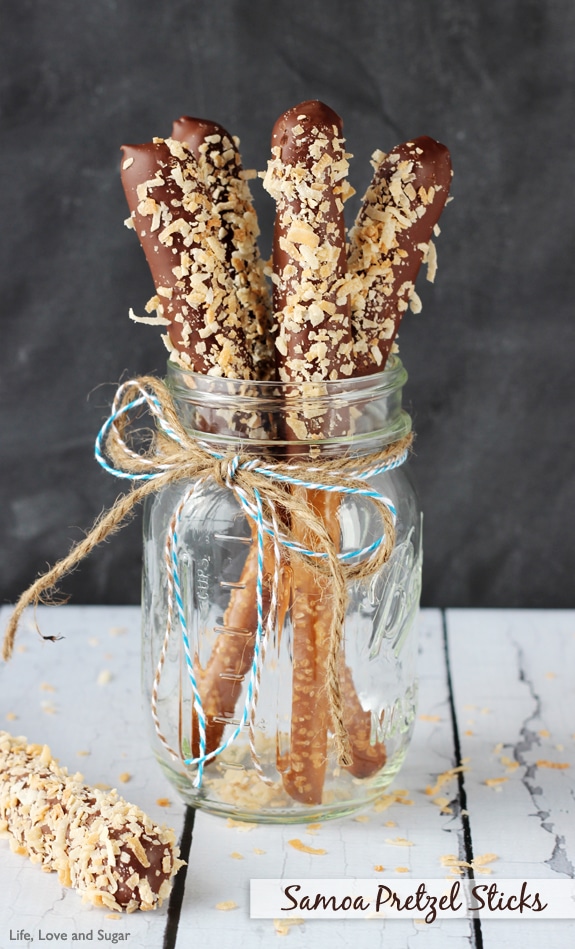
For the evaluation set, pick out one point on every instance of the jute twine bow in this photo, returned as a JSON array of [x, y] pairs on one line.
[[274, 494]]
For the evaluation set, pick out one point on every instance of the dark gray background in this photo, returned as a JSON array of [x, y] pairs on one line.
[[490, 357]]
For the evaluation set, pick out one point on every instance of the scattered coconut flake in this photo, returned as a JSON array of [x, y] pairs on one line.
[[240, 825], [557, 765], [227, 905], [259, 851], [395, 797], [402, 870], [104, 677], [443, 804], [125, 777], [509, 763], [113, 916], [149, 320], [236, 856], [282, 926], [11, 716], [163, 802], [46, 687], [444, 779], [303, 848], [429, 718], [399, 841], [379, 868], [478, 864]]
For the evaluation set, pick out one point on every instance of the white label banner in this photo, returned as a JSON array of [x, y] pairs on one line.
[[412, 899]]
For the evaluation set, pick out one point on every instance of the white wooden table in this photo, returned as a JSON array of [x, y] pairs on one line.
[[497, 696]]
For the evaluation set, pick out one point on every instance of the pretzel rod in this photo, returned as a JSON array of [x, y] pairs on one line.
[[220, 165], [220, 683], [105, 848], [390, 240], [179, 230], [303, 769]]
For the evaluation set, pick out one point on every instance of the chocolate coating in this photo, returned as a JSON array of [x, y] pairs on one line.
[[179, 230], [220, 164], [390, 240], [307, 178]]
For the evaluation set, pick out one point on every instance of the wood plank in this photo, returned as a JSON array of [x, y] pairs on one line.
[[81, 696], [225, 858], [512, 674]]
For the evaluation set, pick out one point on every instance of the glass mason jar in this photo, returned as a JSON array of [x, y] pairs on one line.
[[268, 721]]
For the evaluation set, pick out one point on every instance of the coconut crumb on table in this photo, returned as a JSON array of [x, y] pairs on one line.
[[227, 905], [394, 797], [303, 848], [478, 864], [443, 804], [444, 778], [283, 926], [243, 826]]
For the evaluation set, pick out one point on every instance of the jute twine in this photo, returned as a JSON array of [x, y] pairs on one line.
[[174, 455]]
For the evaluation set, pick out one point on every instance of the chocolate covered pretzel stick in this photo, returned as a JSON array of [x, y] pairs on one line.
[[179, 230], [105, 848], [220, 165], [307, 178], [390, 240]]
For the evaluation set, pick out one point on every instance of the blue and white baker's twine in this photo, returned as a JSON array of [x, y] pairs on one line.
[[254, 510]]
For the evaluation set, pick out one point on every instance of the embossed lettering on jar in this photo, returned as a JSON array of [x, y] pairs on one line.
[[269, 746]]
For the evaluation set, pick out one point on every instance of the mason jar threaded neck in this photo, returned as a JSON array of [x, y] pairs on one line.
[[343, 416]]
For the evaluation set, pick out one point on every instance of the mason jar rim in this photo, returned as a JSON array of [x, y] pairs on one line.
[[184, 383]]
